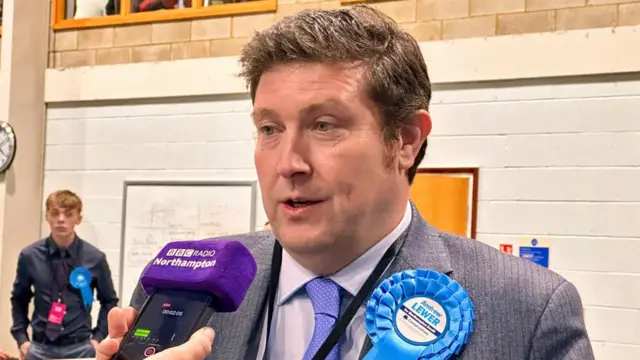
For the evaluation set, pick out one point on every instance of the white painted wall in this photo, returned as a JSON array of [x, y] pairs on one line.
[[559, 161]]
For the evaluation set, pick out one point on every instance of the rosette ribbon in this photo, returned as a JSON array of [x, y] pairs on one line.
[[418, 314], [80, 278]]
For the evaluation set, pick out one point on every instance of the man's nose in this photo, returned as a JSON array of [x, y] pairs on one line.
[[293, 158]]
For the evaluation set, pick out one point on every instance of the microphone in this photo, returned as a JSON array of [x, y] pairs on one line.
[[186, 283]]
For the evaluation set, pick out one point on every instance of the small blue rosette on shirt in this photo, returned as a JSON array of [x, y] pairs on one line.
[[418, 314], [80, 278]]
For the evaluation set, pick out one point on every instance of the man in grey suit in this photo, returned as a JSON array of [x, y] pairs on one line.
[[341, 102]]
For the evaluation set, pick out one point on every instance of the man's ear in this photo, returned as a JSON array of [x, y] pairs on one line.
[[412, 136]]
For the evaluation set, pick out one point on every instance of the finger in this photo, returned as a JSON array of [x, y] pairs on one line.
[[197, 348], [117, 323], [119, 320], [107, 348], [130, 314]]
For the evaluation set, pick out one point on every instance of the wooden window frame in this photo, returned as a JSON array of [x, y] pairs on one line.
[[475, 177], [58, 22]]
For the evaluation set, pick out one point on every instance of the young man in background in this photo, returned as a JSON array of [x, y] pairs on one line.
[[60, 273]]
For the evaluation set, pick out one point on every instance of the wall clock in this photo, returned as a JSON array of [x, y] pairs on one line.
[[8, 146]]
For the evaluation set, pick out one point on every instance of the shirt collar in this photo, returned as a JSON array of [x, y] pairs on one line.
[[351, 278], [54, 248]]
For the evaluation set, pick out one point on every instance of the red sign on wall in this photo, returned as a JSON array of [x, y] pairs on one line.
[[506, 248]]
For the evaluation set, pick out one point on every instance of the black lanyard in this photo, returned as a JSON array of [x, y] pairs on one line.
[[350, 312]]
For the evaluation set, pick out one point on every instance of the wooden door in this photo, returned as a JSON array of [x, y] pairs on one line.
[[445, 200]]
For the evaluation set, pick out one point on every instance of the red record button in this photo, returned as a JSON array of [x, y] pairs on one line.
[[150, 351]]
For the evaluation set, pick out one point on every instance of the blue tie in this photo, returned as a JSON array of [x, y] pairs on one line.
[[325, 298]]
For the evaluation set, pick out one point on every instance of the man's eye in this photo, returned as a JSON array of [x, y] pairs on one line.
[[267, 130], [323, 126]]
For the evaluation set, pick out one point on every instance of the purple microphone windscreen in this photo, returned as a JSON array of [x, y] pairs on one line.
[[223, 268]]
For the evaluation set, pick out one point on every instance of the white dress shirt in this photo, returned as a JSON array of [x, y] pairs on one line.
[[293, 317]]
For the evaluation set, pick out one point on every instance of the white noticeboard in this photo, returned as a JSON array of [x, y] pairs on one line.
[[155, 213]]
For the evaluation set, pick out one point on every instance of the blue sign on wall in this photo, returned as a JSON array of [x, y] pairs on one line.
[[539, 255]]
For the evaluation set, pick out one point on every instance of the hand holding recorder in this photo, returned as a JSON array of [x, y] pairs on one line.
[[186, 284], [121, 320]]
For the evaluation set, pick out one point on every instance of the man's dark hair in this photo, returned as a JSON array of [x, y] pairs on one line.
[[395, 71]]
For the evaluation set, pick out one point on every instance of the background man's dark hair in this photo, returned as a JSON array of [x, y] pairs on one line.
[[395, 71]]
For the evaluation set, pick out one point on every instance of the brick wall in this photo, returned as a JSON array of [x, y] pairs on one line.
[[559, 161], [427, 20]]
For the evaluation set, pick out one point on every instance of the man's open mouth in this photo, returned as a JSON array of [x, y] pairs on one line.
[[298, 203]]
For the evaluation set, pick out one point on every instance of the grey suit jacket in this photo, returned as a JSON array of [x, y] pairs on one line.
[[523, 311]]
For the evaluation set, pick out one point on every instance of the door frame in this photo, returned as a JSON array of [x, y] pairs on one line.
[[474, 174]]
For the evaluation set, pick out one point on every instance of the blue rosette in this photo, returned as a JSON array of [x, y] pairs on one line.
[[80, 278], [418, 314]]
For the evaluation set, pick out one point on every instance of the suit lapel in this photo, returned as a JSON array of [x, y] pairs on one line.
[[420, 246]]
